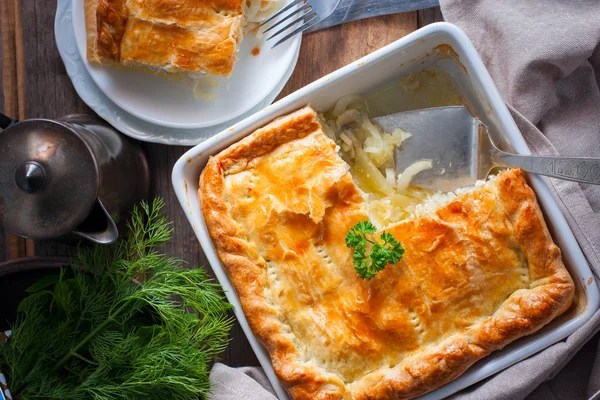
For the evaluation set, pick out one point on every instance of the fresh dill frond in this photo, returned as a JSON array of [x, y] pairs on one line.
[[124, 322]]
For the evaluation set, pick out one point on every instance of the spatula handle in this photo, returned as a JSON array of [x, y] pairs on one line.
[[585, 170]]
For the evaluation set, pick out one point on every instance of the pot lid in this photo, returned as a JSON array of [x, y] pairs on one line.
[[48, 179]]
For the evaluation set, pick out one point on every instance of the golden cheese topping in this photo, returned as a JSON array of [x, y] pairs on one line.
[[478, 273]]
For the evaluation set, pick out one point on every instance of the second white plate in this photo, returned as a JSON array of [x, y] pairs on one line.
[[173, 104]]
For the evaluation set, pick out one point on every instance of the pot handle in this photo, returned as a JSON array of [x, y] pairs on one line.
[[6, 121]]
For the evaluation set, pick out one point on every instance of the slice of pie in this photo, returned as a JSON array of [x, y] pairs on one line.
[[479, 271], [165, 35]]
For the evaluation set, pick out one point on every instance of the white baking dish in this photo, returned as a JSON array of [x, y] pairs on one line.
[[386, 65]]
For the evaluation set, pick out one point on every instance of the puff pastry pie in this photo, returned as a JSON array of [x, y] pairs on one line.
[[478, 272], [167, 35]]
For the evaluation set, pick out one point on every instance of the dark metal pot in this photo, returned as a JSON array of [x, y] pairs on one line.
[[73, 175], [16, 276]]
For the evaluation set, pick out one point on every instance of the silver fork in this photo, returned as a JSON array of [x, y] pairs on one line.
[[309, 12]]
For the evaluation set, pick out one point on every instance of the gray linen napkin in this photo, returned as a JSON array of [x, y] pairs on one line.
[[544, 56], [240, 383]]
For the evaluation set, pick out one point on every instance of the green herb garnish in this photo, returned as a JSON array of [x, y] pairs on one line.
[[360, 239], [131, 324]]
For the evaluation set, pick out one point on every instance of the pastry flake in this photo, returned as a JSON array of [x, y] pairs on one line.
[[165, 35], [477, 273]]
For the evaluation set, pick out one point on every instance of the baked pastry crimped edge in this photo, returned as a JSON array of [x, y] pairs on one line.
[[524, 312]]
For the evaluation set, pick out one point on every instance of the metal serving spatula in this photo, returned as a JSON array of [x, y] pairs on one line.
[[462, 151]]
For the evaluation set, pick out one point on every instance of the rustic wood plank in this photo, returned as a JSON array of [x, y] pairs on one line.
[[4, 253], [2, 60], [13, 87], [429, 16], [9, 84], [184, 245], [50, 93], [325, 51], [4, 250]]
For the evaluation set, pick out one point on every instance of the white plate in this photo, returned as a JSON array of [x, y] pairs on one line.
[[386, 65], [172, 103], [130, 125]]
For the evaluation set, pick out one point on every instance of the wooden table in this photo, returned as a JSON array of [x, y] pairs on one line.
[[35, 84]]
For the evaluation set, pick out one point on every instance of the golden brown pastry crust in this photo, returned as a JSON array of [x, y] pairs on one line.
[[168, 35], [478, 274]]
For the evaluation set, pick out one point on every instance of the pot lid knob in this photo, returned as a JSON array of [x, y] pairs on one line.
[[48, 178], [29, 177]]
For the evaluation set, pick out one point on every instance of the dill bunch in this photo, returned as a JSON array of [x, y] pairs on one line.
[[124, 322]]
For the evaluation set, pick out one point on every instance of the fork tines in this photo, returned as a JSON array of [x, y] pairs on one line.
[[300, 8]]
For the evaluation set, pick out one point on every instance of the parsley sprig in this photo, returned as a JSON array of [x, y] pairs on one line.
[[360, 239]]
